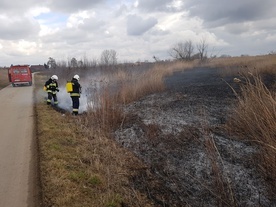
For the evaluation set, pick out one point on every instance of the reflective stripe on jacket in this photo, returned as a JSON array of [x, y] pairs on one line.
[[51, 86], [74, 94]]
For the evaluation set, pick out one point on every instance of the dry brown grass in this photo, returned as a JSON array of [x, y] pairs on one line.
[[254, 120], [130, 88], [79, 164], [265, 63], [221, 183], [4, 81], [221, 187], [150, 81]]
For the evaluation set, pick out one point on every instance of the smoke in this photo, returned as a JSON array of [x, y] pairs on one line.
[[91, 87], [65, 101]]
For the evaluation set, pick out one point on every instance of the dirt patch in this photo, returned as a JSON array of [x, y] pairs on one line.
[[171, 132]]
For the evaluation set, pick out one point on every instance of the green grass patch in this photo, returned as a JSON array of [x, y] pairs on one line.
[[95, 180]]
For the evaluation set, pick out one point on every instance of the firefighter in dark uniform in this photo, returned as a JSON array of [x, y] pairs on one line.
[[51, 87], [75, 94]]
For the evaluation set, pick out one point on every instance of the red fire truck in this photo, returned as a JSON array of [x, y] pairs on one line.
[[20, 75]]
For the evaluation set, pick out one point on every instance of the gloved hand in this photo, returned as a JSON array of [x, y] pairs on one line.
[[57, 90]]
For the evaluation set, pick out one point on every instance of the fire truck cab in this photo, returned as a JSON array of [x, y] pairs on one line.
[[20, 75]]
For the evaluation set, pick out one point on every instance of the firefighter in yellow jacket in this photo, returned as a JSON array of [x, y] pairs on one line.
[[51, 87]]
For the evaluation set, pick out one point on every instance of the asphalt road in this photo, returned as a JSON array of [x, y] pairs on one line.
[[18, 177]]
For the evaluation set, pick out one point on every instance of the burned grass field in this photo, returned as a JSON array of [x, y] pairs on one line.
[[168, 135], [192, 159]]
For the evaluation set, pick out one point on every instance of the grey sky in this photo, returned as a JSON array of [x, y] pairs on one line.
[[33, 30], [136, 25]]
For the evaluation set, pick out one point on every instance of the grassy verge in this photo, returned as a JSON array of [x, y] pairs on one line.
[[4, 81], [81, 166]]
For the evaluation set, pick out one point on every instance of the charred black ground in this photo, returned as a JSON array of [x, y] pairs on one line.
[[169, 132]]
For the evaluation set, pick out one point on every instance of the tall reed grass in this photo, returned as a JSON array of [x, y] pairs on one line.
[[264, 63], [126, 87], [254, 120], [150, 81]]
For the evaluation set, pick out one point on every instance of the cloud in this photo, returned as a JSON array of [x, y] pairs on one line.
[[122, 10], [68, 6], [159, 32], [15, 28], [37, 11], [136, 25], [77, 18], [153, 4], [219, 12], [136, 29], [92, 24], [160, 5], [238, 28], [19, 7]]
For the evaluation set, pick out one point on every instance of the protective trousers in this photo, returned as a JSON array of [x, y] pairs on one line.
[[50, 96], [76, 104]]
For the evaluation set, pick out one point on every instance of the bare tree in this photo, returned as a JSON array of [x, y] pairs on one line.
[[80, 63], [189, 49], [202, 49], [85, 63], [74, 62], [177, 52], [109, 57], [51, 63], [156, 58], [182, 51]]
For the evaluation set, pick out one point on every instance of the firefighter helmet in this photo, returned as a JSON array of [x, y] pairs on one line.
[[77, 77], [54, 77]]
